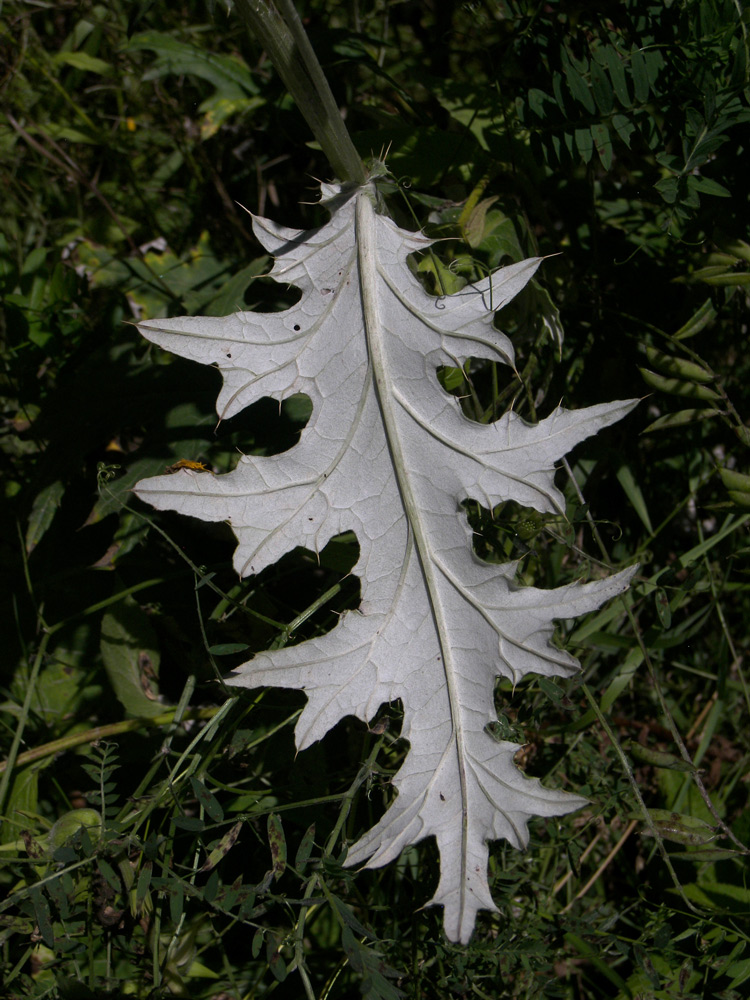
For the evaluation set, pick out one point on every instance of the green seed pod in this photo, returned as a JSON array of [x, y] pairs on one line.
[[679, 367], [733, 278], [676, 387], [680, 419], [737, 248], [740, 498], [725, 259], [700, 319], [69, 825], [704, 273], [681, 829], [735, 480], [657, 758]]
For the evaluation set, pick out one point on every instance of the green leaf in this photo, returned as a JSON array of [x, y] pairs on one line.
[[144, 882], [576, 84], [109, 874], [706, 186], [739, 76], [231, 297], [198, 970], [624, 128], [601, 87], [190, 823], [553, 692], [277, 843], [275, 960], [668, 188], [34, 261], [585, 143], [228, 74], [223, 848], [176, 900], [43, 916], [206, 800], [722, 896], [603, 143], [83, 61], [131, 658], [473, 227], [23, 800], [42, 514], [536, 100], [305, 849], [640, 74], [557, 90], [740, 973], [663, 609], [616, 66], [633, 492], [218, 110]]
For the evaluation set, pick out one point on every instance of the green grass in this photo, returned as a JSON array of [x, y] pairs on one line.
[[159, 834]]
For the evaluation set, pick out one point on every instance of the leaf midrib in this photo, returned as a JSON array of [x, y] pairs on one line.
[[369, 273]]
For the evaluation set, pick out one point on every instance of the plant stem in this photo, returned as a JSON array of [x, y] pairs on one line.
[[102, 732], [22, 719], [278, 28]]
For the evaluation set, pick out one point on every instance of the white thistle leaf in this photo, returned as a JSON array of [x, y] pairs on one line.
[[388, 454]]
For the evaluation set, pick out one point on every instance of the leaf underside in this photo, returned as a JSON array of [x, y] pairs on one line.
[[388, 454]]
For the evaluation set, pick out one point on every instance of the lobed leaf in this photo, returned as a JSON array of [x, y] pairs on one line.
[[389, 455]]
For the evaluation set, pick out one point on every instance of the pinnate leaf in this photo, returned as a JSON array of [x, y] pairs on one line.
[[388, 454]]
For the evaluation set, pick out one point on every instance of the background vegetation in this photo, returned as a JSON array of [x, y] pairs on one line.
[[159, 835]]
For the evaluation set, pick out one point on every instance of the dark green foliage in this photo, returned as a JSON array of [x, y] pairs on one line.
[[160, 837]]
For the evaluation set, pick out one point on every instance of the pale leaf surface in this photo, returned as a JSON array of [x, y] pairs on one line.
[[388, 454]]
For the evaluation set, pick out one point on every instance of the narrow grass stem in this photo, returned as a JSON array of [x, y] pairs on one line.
[[603, 866], [349, 798], [9, 764], [637, 792]]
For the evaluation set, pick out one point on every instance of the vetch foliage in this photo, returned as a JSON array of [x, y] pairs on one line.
[[388, 454]]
